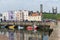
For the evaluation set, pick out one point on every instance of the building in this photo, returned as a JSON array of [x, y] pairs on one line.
[[25, 14], [54, 10], [11, 15], [22, 15], [8, 16], [19, 15], [5, 15], [34, 17]]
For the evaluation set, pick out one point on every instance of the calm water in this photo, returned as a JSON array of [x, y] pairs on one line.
[[11, 36], [45, 37]]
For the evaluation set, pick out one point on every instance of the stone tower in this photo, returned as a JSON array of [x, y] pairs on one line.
[[41, 8], [54, 10]]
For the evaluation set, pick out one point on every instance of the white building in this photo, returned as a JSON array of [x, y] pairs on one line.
[[8, 15], [19, 15], [34, 17], [25, 14], [5, 16]]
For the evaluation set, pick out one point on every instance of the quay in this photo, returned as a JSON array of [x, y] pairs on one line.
[[27, 23]]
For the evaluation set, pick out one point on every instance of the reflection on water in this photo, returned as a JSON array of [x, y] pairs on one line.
[[11, 36], [25, 36]]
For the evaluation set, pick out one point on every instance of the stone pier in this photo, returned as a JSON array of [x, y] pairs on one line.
[[56, 32]]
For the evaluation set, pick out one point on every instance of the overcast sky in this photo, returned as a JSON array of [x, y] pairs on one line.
[[6, 5]]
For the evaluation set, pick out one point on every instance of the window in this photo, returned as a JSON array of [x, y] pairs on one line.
[[11, 17]]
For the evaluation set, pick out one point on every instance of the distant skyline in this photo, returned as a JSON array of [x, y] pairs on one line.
[[33, 5]]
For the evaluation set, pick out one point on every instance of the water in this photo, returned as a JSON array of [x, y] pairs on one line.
[[11, 36], [45, 37]]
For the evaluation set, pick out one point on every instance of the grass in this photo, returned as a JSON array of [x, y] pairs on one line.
[[51, 16]]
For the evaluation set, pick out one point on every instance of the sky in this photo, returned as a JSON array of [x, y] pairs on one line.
[[32, 5]]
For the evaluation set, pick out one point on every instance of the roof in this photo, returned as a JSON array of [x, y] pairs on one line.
[[35, 14]]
